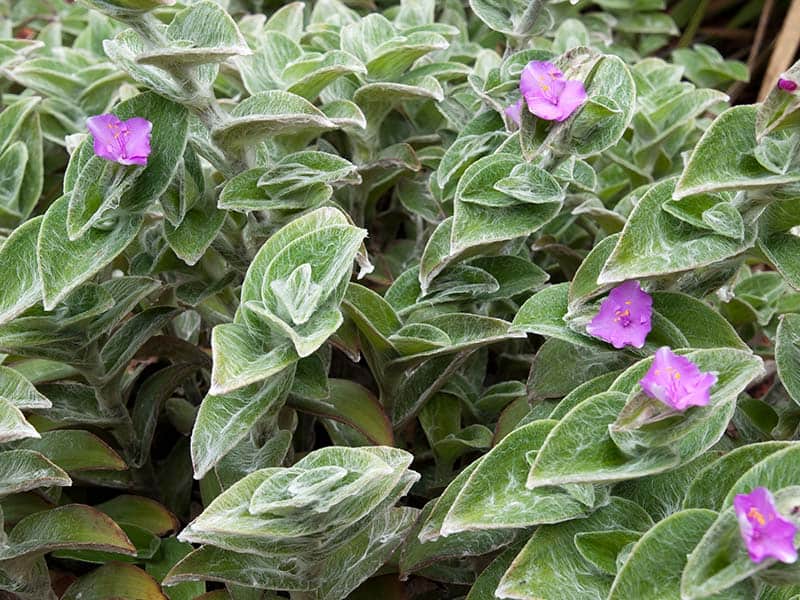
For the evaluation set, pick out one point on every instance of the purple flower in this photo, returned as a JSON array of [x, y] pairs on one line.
[[514, 111], [125, 142], [787, 85], [764, 531], [548, 95], [676, 381], [624, 317]]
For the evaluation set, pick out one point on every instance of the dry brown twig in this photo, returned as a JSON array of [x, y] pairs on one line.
[[763, 21], [786, 45]]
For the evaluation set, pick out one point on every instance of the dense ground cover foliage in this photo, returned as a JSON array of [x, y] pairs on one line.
[[420, 300]]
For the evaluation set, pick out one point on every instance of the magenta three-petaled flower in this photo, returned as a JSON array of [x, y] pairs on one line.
[[547, 94], [125, 142], [624, 316], [677, 381], [764, 531]]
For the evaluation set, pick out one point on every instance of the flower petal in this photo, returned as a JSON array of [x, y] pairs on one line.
[[103, 129], [785, 553], [542, 80], [534, 73], [603, 325], [624, 316], [677, 363], [787, 85], [137, 140], [542, 108], [514, 111], [781, 532], [679, 379], [765, 532], [606, 331], [637, 334], [571, 98], [528, 84]]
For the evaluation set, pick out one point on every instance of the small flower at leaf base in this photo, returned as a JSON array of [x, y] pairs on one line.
[[787, 85], [124, 142], [548, 94], [764, 531], [624, 316], [677, 381], [514, 111]]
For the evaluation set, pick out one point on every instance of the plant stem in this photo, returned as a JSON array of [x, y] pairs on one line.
[[207, 109], [529, 18], [110, 401], [691, 29]]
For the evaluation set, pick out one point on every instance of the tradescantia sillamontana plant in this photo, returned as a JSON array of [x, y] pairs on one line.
[[439, 300]]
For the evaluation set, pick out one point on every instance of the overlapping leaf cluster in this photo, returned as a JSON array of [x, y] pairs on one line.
[[331, 338]]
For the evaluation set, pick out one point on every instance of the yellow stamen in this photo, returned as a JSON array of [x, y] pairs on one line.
[[755, 514]]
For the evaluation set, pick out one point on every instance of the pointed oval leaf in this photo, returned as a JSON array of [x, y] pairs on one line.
[[23, 470], [710, 486], [773, 472], [65, 264], [353, 404], [418, 554], [20, 122], [76, 450], [13, 425], [12, 166], [268, 114], [653, 568], [73, 526], [213, 36], [495, 497], [544, 312], [724, 158], [499, 217], [142, 512], [242, 359], [18, 267], [654, 242], [311, 75], [777, 240], [209, 563], [580, 450], [115, 580], [550, 565], [224, 420], [17, 390], [787, 354], [703, 326]]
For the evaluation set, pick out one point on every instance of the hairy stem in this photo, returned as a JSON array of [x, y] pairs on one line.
[[207, 108]]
